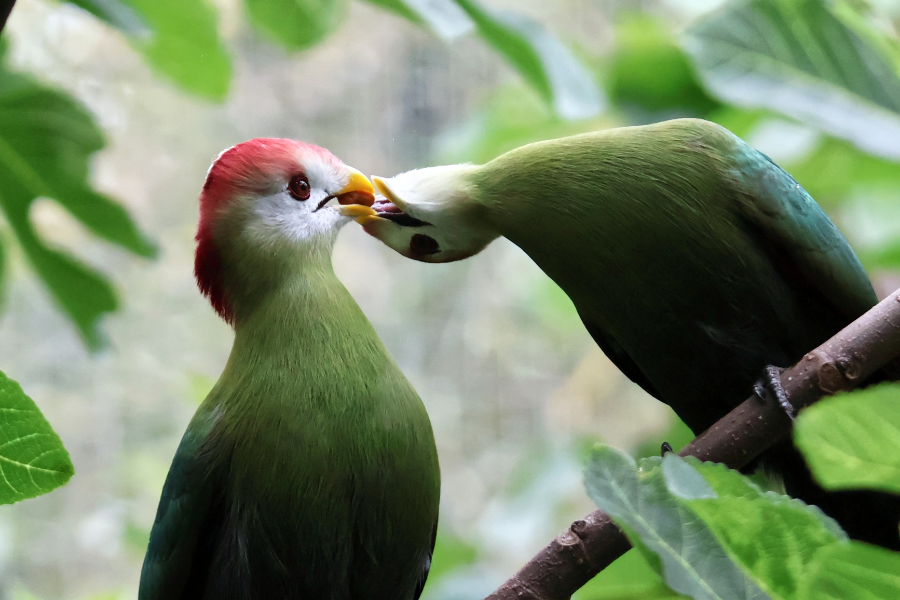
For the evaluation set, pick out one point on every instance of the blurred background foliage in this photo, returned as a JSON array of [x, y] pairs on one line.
[[131, 99]]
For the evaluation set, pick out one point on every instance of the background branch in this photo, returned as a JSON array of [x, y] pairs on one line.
[[841, 363]]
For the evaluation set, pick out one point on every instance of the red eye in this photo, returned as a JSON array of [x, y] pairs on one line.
[[299, 187]]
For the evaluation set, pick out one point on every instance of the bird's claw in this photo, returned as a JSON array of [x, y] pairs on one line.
[[666, 448], [770, 385]]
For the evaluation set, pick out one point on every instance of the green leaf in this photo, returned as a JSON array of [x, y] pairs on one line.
[[629, 577], [444, 17], [542, 60], [650, 71], [773, 537], [854, 570], [512, 118], [46, 140], [178, 38], [296, 24], [853, 440], [797, 58], [692, 561], [33, 460]]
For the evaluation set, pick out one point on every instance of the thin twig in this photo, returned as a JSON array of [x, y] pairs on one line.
[[841, 363]]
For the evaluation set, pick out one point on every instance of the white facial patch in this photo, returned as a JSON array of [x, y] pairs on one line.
[[323, 174]]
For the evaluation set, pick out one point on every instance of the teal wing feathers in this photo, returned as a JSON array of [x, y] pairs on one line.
[[803, 239], [180, 551]]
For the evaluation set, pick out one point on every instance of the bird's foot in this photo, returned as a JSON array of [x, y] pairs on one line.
[[666, 448], [769, 385]]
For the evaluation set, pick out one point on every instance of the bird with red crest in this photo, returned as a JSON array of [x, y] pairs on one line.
[[310, 471]]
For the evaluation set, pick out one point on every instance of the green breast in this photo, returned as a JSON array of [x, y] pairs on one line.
[[333, 466]]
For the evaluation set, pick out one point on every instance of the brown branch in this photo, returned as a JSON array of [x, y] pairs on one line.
[[841, 363]]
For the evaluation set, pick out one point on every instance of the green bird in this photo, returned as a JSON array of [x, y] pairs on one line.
[[310, 471], [693, 260]]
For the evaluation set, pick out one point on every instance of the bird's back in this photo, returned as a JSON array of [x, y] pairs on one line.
[[687, 273]]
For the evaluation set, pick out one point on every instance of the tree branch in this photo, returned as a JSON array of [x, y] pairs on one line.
[[841, 363]]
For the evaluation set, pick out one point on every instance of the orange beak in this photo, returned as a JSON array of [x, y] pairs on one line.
[[357, 197]]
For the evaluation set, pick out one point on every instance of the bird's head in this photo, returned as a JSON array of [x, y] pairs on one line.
[[266, 206], [430, 215]]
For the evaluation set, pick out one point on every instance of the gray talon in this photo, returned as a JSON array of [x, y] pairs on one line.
[[770, 385]]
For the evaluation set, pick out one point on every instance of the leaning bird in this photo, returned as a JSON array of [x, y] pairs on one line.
[[310, 470], [694, 261]]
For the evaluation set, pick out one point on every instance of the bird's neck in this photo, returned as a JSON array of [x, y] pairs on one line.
[[278, 311]]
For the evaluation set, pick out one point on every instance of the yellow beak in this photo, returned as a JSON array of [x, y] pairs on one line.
[[387, 192], [358, 183], [357, 197], [357, 210]]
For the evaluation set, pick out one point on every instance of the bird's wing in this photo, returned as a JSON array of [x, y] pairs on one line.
[[619, 357], [802, 240], [188, 520], [420, 585]]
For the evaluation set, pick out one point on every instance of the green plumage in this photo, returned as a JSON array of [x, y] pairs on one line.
[[678, 241], [693, 260], [310, 471]]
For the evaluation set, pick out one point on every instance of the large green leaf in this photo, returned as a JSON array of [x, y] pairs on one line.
[[179, 38], [542, 60], [853, 440], [797, 58], [444, 17], [649, 75], [46, 139], [33, 460], [773, 537], [854, 570], [692, 561], [296, 24]]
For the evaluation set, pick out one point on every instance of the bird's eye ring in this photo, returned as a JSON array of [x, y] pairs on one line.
[[299, 187]]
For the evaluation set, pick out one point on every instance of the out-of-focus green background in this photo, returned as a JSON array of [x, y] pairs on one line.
[[515, 387]]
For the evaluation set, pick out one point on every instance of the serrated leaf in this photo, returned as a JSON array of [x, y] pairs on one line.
[[773, 537], [854, 570], [296, 24], [33, 460], [542, 60], [46, 140], [444, 17], [795, 57], [692, 560], [853, 440], [178, 38]]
